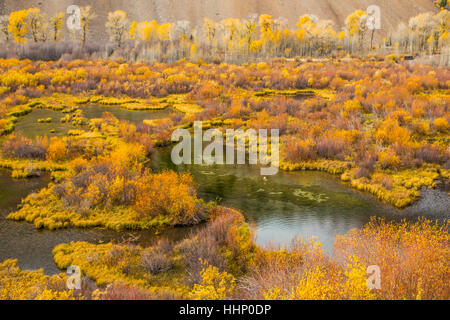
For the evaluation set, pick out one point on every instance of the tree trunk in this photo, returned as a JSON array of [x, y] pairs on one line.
[[371, 39]]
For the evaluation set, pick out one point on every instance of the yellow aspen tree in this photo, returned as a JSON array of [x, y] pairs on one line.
[[193, 52], [117, 26], [36, 24], [305, 31], [231, 37], [133, 30], [341, 38], [210, 30], [147, 30], [18, 25], [356, 26], [164, 31], [56, 23], [442, 20], [266, 24], [266, 28], [430, 43], [86, 17], [231, 27], [286, 36], [250, 28]]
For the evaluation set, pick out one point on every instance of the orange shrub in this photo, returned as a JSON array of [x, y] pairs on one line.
[[169, 194], [390, 132], [441, 124], [337, 83], [413, 257], [295, 150]]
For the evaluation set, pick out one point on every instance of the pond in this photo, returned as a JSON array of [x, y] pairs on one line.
[[293, 204], [29, 127], [287, 205], [33, 248]]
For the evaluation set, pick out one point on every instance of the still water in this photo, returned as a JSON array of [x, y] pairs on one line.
[[293, 204], [33, 248], [28, 126], [281, 207]]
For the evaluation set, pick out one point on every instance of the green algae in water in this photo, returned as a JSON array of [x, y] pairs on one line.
[[294, 204], [207, 173], [316, 197]]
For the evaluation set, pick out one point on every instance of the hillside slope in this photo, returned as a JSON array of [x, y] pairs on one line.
[[392, 12]]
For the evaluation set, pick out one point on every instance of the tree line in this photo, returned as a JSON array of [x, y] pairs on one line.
[[231, 40]]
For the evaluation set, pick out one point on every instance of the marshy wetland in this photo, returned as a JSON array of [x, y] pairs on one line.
[[88, 180], [281, 208]]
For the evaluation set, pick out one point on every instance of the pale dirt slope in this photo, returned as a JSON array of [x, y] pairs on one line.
[[392, 12]]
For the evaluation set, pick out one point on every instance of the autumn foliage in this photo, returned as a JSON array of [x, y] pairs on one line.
[[381, 123], [412, 257]]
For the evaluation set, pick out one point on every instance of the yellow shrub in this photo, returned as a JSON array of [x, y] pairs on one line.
[[215, 285], [17, 284], [387, 158], [391, 132], [352, 106], [356, 284], [441, 124], [171, 194]]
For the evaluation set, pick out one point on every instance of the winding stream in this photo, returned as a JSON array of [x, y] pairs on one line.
[[284, 206], [21, 240], [29, 127], [33, 248]]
